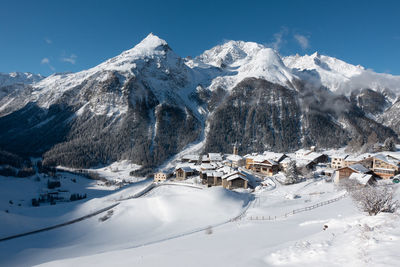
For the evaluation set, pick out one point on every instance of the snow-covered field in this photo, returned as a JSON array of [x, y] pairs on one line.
[[181, 226]]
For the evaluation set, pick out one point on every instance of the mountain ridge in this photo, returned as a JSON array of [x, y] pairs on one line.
[[148, 104]]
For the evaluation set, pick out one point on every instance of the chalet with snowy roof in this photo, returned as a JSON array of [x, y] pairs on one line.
[[234, 180], [311, 160], [262, 165], [160, 177], [345, 172], [183, 172], [385, 166]]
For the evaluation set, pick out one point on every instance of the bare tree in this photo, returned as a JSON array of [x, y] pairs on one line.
[[375, 199]]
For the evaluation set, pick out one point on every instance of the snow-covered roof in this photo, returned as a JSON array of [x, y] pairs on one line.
[[215, 156], [359, 168], [355, 158], [395, 155], [191, 157], [262, 158], [303, 151], [361, 178], [236, 176], [233, 157], [340, 156], [226, 169], [185, 169], [217, 174], [286, 160], [207, 166], [231, 174], [273, 155], [389, 160], [312, 156], [301, 162]]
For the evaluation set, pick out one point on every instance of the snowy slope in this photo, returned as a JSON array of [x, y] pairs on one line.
[[161, 228], [339, 76], [165, 212]]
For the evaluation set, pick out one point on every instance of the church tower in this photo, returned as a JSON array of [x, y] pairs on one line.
[[235, 149]]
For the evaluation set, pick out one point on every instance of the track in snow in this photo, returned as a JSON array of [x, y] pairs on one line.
[[142, 193]]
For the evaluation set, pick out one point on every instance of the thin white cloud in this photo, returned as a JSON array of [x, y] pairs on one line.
[[46, 61], [71, 59], [279, 39], [302, 41], [48, 41]]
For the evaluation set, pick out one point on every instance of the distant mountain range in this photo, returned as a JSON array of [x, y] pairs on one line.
[[148, 104]]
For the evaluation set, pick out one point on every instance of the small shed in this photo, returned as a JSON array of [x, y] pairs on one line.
[[183, 172], [235, 180], [345, 172]]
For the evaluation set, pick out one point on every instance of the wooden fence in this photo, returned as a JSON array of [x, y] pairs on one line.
[[295, 211]]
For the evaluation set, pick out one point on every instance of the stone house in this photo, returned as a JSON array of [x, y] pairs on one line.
[[160, 177], [338, 161]]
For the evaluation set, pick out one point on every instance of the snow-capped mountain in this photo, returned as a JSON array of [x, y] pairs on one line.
[[12, 78], [240, 60], [339, 76], [148, 104]]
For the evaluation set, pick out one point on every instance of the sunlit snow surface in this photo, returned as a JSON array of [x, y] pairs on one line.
[[170, 226]]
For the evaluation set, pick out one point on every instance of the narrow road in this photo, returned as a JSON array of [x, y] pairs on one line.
[[61, 224]]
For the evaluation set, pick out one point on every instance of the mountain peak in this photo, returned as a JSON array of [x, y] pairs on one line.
[[231, 53], [151, 42], [316, 54]]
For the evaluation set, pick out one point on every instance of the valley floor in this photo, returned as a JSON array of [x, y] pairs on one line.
[[187, 226]]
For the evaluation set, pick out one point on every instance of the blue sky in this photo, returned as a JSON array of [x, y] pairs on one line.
[[57, 36]]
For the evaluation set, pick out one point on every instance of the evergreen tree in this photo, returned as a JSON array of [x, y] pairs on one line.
[[292, 175]]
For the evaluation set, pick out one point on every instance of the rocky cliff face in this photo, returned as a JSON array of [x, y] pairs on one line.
[[148, 104]]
